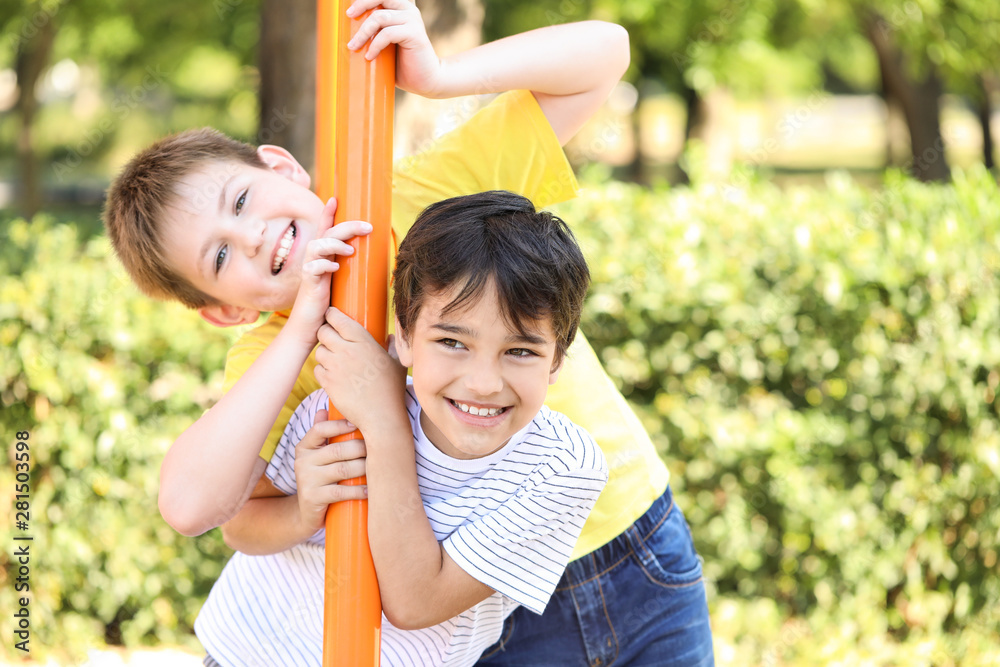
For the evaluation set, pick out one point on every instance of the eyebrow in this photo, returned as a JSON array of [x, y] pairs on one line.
[[529, 339]]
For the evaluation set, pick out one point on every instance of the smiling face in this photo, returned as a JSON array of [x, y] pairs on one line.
[[478, 380], [238, 233]]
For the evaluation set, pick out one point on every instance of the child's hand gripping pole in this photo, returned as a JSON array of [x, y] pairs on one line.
[[354, 107]]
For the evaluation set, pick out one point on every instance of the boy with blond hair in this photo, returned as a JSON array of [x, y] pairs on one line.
[[228, 231], [477, 492]]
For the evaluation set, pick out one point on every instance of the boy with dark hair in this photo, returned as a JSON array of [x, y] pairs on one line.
[[234, 238], [494, 488], [227, 228]]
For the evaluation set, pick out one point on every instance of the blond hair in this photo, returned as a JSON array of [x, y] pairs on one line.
[[135, 208]]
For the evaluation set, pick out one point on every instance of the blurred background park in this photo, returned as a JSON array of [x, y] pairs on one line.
[[792, 216]]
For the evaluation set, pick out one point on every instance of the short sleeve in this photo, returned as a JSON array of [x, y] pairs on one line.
[[507, 145], [521, 549], [281, 468], [245, 351]]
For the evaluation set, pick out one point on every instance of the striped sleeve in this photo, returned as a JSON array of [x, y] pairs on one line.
[[521, 549], [281, 468]]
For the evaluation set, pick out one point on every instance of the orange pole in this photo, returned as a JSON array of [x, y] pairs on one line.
[[354, 107]]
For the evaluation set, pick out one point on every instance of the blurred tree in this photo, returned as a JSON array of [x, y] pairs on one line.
[[911, 82], [988, 88], [187, 46], [30, 36], [702, 51], [926, 47], [781, 46], [287, 61]]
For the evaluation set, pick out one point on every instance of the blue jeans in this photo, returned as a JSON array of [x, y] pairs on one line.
[[638, 600]]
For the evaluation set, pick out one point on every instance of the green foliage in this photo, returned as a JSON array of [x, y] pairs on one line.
[[821, 369], [121, 75], [752, 48], [961, 38], [103, 379], [780, 46]]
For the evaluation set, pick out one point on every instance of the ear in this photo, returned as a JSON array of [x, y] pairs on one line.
[[228, 316], [403, 350], [556, 367], [282, 162]]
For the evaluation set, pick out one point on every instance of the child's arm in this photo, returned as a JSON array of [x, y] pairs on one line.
[[419, 582], [570, 68], [319, 469], [211, 469]]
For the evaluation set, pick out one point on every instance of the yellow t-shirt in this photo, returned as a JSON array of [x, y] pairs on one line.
[[509, 145]]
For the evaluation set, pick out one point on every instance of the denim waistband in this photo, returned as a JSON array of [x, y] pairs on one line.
[[608, 556]]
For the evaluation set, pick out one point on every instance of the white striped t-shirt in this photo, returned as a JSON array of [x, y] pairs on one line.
[[509, 519]]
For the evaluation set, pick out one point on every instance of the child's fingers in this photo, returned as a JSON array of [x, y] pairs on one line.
[[344, 325], [392, 34], [359, 7], [329, 210], [318, 268], [387, 26], [344, 451], [317, 436], [373, 23], [326, 247], [328, 337], [335, 493], [338, 471], [348, 229]]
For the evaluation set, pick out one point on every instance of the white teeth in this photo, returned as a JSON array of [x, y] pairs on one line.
[[479, 412], [286, 244]]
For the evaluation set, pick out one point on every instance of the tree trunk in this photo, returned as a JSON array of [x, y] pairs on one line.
[[32, 58], [986, 87], [287, 62], [692, 120], [919, 101]]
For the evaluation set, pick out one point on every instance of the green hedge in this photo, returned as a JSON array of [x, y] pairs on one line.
[[820, 368], [103, 379]]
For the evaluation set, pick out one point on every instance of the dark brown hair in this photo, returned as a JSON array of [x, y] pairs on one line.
[[494, 238]]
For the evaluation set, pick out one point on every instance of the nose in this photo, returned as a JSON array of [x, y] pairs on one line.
[[484, 378], [250, 236]]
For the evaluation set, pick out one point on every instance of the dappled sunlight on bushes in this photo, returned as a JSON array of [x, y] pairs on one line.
[[819, 367], [104, 380]]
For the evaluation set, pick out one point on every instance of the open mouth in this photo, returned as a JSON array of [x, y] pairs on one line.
[[284, 248], [478, 411]]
